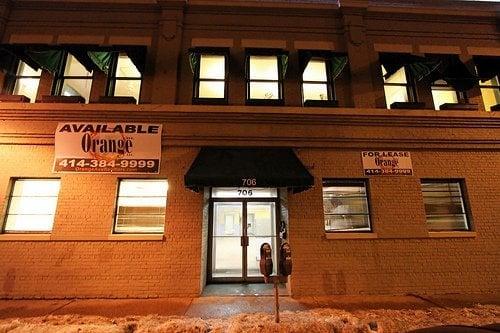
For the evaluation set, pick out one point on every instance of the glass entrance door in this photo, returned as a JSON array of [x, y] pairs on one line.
[[238, 229]]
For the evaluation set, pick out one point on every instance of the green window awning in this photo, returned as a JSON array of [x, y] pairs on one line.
[[228, 167]]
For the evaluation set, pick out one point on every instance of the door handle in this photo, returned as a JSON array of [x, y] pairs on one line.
[[244, 240]]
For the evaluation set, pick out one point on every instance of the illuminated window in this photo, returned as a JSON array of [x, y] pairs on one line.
[[27, 80], [444, 206], [315, 83], [141, 206], [32, 205], [490, 89], [124, 79], [345, 205], [443, 93], [265, 78], [73, 79], [398, 87], [210, 84]]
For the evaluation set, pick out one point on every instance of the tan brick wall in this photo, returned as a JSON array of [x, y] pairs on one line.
[[402, 259], [94, 266]]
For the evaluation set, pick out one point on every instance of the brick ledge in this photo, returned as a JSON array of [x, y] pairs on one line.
[[452, 234], [350, 235]]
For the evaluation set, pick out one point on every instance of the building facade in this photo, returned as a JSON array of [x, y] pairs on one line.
[[271, 113]]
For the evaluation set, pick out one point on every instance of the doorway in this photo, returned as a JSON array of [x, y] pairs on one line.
[[241, 219]]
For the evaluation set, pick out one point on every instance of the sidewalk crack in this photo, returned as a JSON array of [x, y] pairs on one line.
[[62, 306]]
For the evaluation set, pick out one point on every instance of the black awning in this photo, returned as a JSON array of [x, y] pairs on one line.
[[229, 167]]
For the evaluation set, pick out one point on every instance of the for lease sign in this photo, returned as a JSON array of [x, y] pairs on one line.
[[393, 163], [108, 147]]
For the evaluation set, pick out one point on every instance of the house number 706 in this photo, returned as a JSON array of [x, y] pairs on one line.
[[249, 181]]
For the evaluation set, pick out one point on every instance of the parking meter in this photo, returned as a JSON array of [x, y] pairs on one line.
[[266, 260], [285, 259]]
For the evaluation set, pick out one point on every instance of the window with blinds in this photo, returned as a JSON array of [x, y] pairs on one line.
[[444, 205], [345, 204], [141, 206]]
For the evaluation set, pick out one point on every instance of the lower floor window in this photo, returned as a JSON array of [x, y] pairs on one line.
[[444, 205], [32, 205], [141, 206], [345, 205]]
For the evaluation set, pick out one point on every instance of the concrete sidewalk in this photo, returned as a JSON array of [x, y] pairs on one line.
[[223, 306]]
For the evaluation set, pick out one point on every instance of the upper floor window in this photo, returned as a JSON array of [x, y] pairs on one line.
[[400, 71], [398, 87], [345, 205], [124, 78], [488, 70], [319, 71], [443, 93], [26, 81], [73, 79], [444, 205], [264, 76], [315, 83], [141, 206], [210, 75], [32, 205]]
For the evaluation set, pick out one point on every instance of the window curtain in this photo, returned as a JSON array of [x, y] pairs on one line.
[[101, 59], [452, 70], [433, 67], [337, 61], [35, 56], [194, 59], [7, 61], [137, 55], [487, 67], [281, 54], [81, 54], [420, 67]]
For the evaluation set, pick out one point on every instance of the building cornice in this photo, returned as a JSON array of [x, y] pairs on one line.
[[238, 114], [194, 125]]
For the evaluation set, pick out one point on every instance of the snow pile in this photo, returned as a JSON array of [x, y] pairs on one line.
[[312, 321]]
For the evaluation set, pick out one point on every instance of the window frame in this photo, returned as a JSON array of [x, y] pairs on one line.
[[461, 95], [196, 76], [264, 53], [6, 214], [492, 87], [349, 182], [117, 196], [12, 77], [59, 77], [464, 200], [330, 83], [410, 85], [112, 78]]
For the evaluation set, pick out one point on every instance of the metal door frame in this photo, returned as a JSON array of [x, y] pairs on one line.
[[244, 201]]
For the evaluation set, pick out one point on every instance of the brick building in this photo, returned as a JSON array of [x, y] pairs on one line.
[[271, 113]]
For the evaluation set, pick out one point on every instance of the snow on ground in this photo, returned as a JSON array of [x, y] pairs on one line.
[[311, 321]]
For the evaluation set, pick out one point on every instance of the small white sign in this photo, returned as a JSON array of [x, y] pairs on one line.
[[391, 163], [108, 148]]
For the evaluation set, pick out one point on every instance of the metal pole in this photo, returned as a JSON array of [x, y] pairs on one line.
[[277, 301]]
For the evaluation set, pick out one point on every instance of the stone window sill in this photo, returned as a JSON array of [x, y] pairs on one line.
[[136, 237], [25, 237], [351, 235], [452, 234]]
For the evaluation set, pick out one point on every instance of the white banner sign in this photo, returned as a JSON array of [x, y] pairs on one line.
[[107, 148], [393, 163]]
